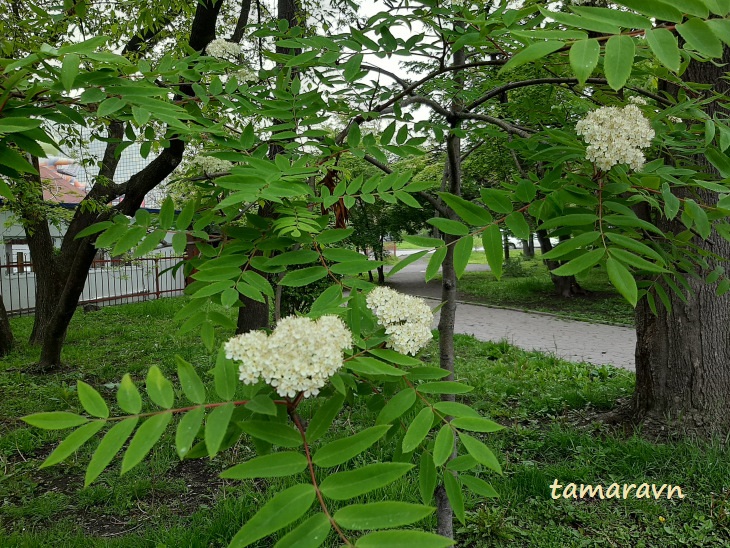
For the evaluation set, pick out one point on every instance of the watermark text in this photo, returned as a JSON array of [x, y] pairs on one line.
[[615, 491]]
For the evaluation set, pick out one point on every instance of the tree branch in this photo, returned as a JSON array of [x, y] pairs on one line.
[[242, 22], [506, 126], [438, 206], [496, 92]]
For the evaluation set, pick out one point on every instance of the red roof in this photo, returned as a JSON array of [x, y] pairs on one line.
[[59, 188]]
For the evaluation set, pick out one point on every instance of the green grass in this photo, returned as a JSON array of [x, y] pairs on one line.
[[548, 406], [526, 285]]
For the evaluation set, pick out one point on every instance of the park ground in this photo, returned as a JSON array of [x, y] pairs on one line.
[[551, 409]]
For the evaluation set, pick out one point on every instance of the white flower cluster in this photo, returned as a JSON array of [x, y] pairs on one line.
[[299, 356], [616, 136], [636, 100], [223, 49], [406, 319], [210, 165]]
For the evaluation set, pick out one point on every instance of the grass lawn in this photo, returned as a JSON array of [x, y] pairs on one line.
[[526, 284], [548, 406]]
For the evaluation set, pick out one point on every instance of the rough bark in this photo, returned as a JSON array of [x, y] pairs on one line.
[[682, 356], [253, 315], [6, 333], [452, 174]]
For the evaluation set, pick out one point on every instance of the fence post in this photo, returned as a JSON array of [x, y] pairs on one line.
[[157, 277]]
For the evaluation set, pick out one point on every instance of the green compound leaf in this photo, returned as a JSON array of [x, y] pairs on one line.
[[581, 263], [72, 442], [371, 366], [322, 419], [284, 508], [268, 466], [344, 449], [55, 420], [418, 430], [462, 253], [128, 396], [159, 388], [187, 430], [144, 439], [396, 406], [225, 376], [584, 56], [443, 446], [426, 477], [533, 52], [272, 432], [447, 226], [455, 409], [400, 539], [310, 534], [109, 446], [619, 60], [664, 45], [381, 515], [474, 424], [69, 70], [351, 484], [434, 263], [263, 405], [492, 243], [481, 453], [478, 486], [412, 258], [444, 387], [468, 211], [304, 276], [622, 280], [700, 37], [216, 427], [190, 381], [92, 401], [456, 498]]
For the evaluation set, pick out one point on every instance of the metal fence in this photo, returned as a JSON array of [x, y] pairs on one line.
[[109, 282]]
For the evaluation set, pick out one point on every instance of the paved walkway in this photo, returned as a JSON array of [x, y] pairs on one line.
[[573, 340]]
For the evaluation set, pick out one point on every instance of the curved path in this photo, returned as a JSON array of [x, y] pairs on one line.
[[598, 344]]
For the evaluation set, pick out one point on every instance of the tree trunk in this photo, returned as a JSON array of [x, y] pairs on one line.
[[253, 315], [62, 277], [505, 245], [565, 286], [682, 356], [6, 333], [528, 248], [452, 174]]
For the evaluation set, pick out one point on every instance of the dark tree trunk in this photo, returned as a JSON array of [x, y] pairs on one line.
[[61, 278], [6, 333], [565, 286], [682, 356], [505, 245], [49, 281], [253, 315], [528, 248], [447, 320]]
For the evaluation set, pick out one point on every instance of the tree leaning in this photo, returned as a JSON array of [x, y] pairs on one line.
[[581, 193]]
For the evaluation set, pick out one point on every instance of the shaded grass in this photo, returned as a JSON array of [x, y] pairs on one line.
[[526, 284], [548, 406]]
